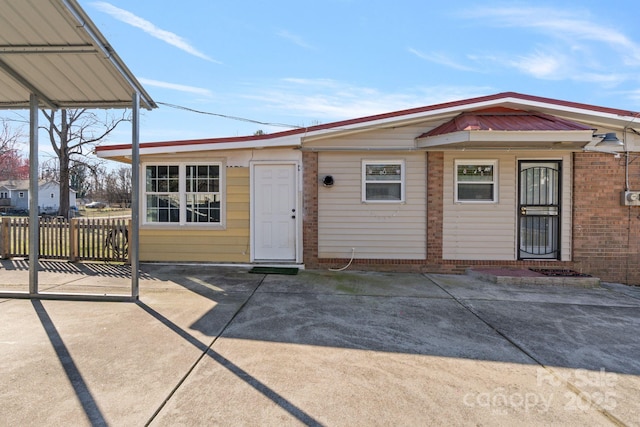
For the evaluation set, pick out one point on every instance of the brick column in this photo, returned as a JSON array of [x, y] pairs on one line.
[[435, 183], [310, 209]]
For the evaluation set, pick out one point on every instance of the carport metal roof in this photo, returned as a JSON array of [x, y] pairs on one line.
[[52, 49], [53, 56]]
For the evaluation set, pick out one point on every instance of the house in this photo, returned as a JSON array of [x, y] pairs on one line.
[[14, 195], [508, 180]]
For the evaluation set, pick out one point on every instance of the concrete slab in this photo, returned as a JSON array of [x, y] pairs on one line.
[[212, 345]]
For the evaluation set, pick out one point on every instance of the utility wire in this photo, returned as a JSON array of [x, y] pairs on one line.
[[242, 119]]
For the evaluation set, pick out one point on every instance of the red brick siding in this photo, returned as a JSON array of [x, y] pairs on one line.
[[606, 234], [310, 209]]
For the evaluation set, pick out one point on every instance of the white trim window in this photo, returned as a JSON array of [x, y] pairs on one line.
[[476, 181], [383, 181], [183, 193]]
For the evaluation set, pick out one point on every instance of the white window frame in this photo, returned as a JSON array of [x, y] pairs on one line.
[[182, 195], [476, 162], [401, 181], [21, 195]]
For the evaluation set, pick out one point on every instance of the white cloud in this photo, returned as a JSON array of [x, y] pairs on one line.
[[175, 86], [541, 65], [571, 25], [294, 38], [578, 48], [323, 100], [440, 58], [149, 28]]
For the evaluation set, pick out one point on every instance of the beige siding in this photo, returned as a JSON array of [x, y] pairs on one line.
[[184, 244], [396, 138], [373, 230], [474, 231]]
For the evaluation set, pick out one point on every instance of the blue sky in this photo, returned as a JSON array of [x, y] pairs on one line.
[[302, 63]]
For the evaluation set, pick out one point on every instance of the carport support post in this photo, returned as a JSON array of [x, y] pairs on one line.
[[34, 232], [134, 245]]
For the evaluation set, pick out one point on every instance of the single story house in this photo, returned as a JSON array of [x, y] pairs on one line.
[[506, 180], [14, 194]]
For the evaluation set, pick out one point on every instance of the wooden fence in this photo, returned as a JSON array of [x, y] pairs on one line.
[[98, 239]]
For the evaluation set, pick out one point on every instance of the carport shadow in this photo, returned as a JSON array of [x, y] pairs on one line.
[[98, 269], [207, 351], [89, 405]]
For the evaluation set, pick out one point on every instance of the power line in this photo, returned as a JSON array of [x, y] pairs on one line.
[[224, 116]]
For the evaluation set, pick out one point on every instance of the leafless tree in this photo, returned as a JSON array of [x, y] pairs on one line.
[[12, 164], [73, 135], [118, 186]]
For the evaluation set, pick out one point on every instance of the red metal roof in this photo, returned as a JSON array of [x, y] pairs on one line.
[[504, 119]]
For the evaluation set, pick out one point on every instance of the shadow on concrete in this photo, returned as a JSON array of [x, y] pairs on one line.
[[425, 318], [89, 405], [207, 351], [98, 269]]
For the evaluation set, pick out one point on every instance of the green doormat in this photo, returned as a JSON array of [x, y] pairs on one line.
[[274, 270]]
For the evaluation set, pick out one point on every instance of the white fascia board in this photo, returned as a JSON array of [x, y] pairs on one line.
[[504, 136], [569, 109], [441, 113], [287, 141]]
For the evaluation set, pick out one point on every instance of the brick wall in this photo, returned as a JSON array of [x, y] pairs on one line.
[[606, 234]]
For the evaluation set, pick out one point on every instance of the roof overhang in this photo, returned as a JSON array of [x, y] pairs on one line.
[[122, 153], [52, 49], [500, 140]]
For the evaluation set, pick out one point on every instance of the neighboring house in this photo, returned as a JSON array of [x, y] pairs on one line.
[[14, 194], [507, 180]]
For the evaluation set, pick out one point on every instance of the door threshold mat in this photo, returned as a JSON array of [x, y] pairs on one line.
[[292, 271]]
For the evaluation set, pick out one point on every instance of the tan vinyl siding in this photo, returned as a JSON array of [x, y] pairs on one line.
[[374, 230], [488, 231], [184, 244], [400, 138]]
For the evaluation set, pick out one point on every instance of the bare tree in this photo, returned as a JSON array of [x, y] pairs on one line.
[[12, 164], [121, 191], [73, 135]]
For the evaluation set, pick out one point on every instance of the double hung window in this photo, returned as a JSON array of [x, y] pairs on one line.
[[183, 193], [476, 180], [383, 181]]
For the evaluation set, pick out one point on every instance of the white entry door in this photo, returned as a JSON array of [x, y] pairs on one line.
[[274, 212]]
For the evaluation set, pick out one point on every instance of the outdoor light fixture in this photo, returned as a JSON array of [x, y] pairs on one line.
[[609, 140], [328, 181]]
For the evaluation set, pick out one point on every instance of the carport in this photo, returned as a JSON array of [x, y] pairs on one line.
[[53, 56]]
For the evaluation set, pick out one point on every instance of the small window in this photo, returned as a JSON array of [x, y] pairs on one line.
[[21, 194], [52, 195], [383, 181], [476, 180]]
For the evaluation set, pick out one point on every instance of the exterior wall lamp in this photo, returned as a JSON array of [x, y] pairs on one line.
[[609, 140], [328, 181]]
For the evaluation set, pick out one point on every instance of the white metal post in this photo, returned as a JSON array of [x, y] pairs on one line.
[[34, 232], [134, 245]]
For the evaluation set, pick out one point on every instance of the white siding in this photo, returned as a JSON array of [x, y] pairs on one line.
[[479, 231], [373, 230]]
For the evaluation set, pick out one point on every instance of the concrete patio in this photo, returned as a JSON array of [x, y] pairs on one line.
[[209, 345]]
